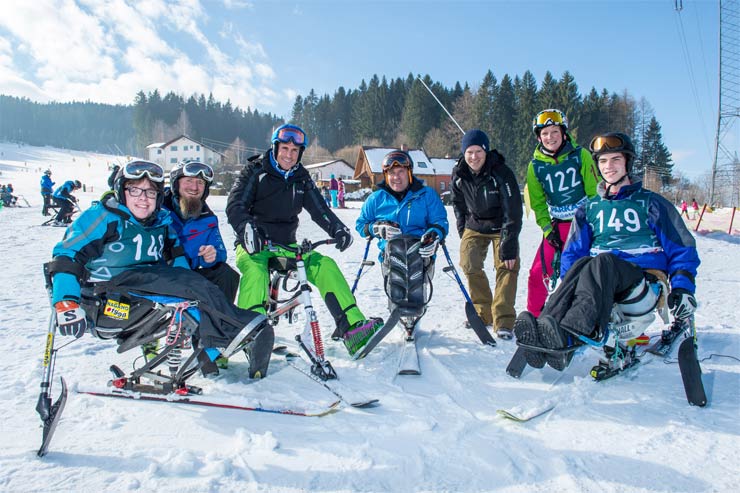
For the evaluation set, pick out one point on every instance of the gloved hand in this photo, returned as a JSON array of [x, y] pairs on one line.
[[553, 238], [385, 230], [71, 319], [429, 243], [254, 238], [682, 303], [344, 239]]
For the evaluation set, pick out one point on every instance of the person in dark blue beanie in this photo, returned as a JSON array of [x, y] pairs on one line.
[[488, 209], [475, 137]]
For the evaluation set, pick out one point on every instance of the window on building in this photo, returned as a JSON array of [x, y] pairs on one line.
[[173, 160], [422, 164], [197, 148], [173, 148], [441, 185], [159, 151]]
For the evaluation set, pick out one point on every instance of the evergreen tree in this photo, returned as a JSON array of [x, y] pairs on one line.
[[568, 100], [655, 155], [484, 103], [525, 93], [547, 97], [503, 114]]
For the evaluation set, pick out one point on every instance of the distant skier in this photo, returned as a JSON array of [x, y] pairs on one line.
[[684, 209], [340, 193], [66, 202], [695, 206], [334, 191], [616, 236], [47, 188]]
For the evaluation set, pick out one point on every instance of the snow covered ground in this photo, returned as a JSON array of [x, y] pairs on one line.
[[434, 432]]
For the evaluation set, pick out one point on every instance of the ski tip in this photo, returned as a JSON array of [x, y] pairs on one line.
[[366, 404]]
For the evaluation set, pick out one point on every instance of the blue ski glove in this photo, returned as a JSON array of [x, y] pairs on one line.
[[682, 303], [71, 319]]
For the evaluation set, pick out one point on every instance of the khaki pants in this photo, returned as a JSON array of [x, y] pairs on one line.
[[497, 309]]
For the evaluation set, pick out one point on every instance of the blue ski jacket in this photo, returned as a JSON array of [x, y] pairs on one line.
[[196, 232], [106, 240], [46, 185], [639, 226], [420, 210], [65, 190]]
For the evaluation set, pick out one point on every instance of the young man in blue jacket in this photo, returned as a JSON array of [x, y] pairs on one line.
[[65, 201], [197, 226], [615, 237]]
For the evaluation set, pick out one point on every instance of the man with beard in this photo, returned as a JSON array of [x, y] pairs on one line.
[[197, 226]]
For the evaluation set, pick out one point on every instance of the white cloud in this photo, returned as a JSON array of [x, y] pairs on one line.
[[108, 51]]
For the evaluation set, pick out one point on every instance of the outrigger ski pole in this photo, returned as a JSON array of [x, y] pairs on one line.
[[49, 412], [364, 263], [473, 318]]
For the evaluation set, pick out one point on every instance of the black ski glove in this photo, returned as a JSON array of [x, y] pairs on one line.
[[553, 238], [682, 303], [254, 238], [344, 239]]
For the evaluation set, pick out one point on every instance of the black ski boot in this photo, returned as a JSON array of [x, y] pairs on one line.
[[525, 329]]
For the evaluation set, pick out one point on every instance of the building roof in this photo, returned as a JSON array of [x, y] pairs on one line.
[[327, 163], [423, 165], [182, 136], [443, 165]]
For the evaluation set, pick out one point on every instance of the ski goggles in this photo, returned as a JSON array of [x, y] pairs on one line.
[[135, 170], [545, 118], [607, 143], [396, 159], [195, 168], [289, 134]]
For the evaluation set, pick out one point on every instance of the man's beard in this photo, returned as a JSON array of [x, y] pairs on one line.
[[190, 207]]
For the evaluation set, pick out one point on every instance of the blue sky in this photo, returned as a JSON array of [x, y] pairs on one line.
[[263, 53]]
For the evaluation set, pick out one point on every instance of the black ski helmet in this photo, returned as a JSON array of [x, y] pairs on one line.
[[289, 133], [191, 168], [77, 184], [136, 170], [613, 142]]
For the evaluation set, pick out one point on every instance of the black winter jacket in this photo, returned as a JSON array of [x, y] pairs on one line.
[[489, 202], [265, 197]]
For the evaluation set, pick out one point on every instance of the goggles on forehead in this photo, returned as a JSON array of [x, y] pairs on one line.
[[195, 168], [136, 170], [396, 159], [607, 143], [549, 118], [289, 134]]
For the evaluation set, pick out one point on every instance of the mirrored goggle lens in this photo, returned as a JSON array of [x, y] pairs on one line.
[[549, 118], [288, 134], [140, 169], [396, 160], [198, 169], [606, 143]]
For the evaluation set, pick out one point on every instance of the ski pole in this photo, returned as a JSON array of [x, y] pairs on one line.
[[363, 263], [473, 318]]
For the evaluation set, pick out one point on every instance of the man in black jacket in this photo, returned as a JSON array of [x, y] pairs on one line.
[[263, 206], [488, 209]]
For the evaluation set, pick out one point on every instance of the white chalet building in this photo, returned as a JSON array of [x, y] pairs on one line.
[[168, 154]]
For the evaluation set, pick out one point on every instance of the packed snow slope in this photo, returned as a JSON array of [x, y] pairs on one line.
[[434, 432]]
